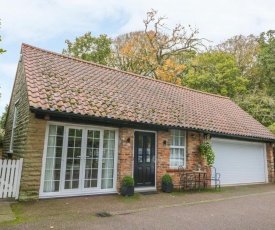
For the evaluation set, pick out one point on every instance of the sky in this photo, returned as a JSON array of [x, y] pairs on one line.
[[48, 23]]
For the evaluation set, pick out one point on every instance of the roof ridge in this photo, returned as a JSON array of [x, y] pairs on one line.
[[123, 71]]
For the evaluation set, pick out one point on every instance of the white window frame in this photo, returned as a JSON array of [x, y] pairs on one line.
[[178, 147], [15, 112], [92, 191]]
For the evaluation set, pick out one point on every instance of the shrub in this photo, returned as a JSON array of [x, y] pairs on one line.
[[167, 179], [128, 181], [207, 152]]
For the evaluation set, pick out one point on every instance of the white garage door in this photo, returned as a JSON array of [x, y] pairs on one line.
[[239, 162]]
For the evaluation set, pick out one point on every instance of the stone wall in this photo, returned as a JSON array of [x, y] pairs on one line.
[[20, 97], [29, 137], [33, 155]]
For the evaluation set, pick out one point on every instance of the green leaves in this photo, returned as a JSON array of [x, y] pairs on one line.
[[207, 152], [1, 50], [167, 179], [88, 48], [215, 72]]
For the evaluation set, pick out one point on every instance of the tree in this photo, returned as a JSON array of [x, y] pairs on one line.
[[1, 50], [2, 124], [88, 48], [266, 61], [215, 72], [259, 106], [3, 118], [156, 52], [245, 50]]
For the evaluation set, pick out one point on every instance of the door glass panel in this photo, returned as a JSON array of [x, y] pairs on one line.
[[140, 146], [73, 159], [53, 159], [148, 150], [108, 159], [92, 155]]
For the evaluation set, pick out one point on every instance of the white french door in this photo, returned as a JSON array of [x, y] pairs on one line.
[[79, 160]]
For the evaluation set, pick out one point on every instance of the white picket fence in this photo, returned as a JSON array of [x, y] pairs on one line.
[[10, 176]]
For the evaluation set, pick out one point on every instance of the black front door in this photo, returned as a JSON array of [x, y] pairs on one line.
[[144, 163]]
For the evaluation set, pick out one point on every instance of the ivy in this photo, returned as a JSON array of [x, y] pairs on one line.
[[207, 152]]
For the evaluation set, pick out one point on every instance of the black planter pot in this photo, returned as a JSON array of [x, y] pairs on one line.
[[127, 191], [167, 187]]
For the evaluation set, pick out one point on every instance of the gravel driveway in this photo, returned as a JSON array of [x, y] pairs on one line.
[[243, 207]]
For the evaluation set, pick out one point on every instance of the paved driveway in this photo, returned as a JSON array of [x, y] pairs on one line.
[[246, 207]]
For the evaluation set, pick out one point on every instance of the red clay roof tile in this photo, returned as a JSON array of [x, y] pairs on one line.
[[57, 82]]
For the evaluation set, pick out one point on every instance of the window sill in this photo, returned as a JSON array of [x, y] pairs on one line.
[[173, 170]]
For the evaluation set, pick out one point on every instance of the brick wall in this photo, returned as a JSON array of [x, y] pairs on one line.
[[126, 151], [270, 162], [125, 155]]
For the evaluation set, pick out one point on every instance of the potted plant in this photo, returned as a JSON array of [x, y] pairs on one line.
[[207, 152], [127, 186], [167, 183]]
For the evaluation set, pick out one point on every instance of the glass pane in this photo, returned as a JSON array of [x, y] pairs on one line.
[[59, 152], [58, 163], [59, 141], [111, 144], [78, 142], [106, 134], [96, 134], [105, 144], [108, 159], [52, 130], [96, 143], [71, 132], [51, 141], [53, 159], [71, 142], [73, 159], [148, 150], [91, 166], [94, 173], [95, 153], [140, 146], [112, 134], [50, 163], [90, 143], [60, 130], [78, 133], [51, 152]]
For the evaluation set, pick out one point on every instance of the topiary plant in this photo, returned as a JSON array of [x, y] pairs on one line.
[[207, 152], [167, 179], [128, 181]]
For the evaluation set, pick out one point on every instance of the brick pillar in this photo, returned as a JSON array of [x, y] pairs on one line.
[[163, 156], [270, 162], [125, 154]]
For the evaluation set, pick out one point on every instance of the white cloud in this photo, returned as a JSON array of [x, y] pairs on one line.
[[45, 23], [217, 19]]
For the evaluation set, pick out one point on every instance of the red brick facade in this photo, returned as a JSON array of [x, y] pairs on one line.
[[126, 157]]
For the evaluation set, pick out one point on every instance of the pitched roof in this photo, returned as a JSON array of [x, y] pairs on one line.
[[59, 83]]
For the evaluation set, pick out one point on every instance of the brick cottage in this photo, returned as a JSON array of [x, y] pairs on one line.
[[81, 127]]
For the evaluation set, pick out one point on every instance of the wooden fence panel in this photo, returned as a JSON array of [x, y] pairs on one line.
[[10, 176]]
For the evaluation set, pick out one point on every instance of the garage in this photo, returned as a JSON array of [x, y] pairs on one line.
[[240, 162]]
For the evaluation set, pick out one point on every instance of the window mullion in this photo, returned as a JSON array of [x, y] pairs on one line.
[[99, 175]]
